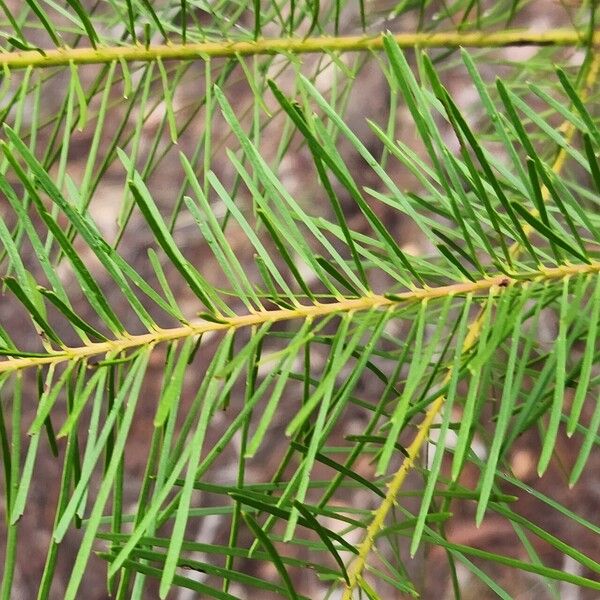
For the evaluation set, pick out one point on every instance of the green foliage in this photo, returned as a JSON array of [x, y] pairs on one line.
[[293, 370]]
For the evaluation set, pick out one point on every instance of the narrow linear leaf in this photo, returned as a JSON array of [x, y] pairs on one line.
[[266, 543]]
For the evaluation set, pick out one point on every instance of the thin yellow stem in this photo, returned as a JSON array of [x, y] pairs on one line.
[[354, 43], [569, 130], [127, 342], [413, 451]]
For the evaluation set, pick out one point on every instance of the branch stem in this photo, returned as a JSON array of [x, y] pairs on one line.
[[318, 310], [201, 51]]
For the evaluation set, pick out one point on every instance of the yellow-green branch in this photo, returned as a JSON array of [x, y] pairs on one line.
[[413, 451], [223, 48], [158, 336]]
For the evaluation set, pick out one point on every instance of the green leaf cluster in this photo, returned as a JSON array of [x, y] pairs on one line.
[[327, 393]]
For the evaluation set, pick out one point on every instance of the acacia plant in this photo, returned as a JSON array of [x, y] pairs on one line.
[[288, 288]]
